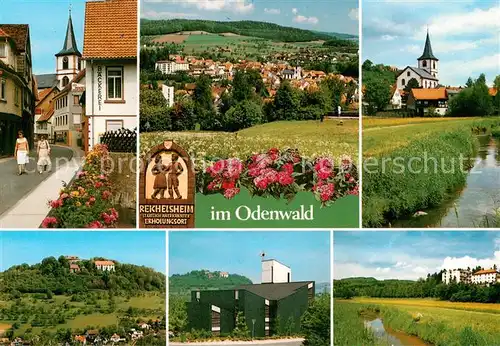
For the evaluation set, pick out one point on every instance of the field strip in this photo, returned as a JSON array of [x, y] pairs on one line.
[[488, 309]]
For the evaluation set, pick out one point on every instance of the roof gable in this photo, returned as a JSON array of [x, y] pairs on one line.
[[19, 33], [428, 54], [69, 47], [110, 29], [429, 94]]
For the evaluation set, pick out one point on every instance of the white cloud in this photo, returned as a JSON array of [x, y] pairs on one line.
[[383, 270], [237, 6], [456, 72], [354, 13], [160, 15], [454, 24], [295, 11], [467, 261], [412, 48], [272, 10], [388, 37], [303, 19]]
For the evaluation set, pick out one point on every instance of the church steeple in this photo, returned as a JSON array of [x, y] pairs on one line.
[[69, 46], [427, 54]]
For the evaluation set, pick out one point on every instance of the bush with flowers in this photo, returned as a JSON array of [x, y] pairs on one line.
[[280, 174], [86, 201]]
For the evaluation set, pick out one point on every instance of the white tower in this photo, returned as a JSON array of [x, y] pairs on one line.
[[428, 61], [68, 60], [274, 272]]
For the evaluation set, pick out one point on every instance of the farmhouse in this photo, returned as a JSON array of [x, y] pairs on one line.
[[426, 72], [275, 301], [422, 100], [105, 265]]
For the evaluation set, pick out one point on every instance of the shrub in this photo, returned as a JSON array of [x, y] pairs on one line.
[[86, 201]]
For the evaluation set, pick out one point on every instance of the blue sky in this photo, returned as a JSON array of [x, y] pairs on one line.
[[323, 15], [307, 253], [48, 20], [410, 255], [133, 247], [464, 35]]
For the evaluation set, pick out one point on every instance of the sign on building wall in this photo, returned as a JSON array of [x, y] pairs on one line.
[[99, 87], [167, 188], [77, 88]]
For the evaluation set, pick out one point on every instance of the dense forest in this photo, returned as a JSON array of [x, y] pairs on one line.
[[265, 30], [430, 287], [53, 275], [201, 279]]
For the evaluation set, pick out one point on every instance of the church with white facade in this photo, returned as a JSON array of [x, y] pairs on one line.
[[426, 73]]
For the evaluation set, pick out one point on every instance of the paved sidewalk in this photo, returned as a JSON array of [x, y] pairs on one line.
[[30, 210]]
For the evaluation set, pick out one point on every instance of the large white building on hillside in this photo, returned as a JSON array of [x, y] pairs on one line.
[[456, 275], [481, 277], [426, 72]]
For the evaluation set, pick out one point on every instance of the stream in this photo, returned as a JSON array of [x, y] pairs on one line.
[[473, 205], [392, 337]]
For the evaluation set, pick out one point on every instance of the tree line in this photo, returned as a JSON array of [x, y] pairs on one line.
[[54, 276], [265, 30], [429, 287]]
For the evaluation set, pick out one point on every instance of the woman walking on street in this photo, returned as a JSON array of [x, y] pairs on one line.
[[43, 150], [21, 152]]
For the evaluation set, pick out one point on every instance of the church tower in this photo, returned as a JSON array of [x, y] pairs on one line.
[[428, 61], [68, 60]]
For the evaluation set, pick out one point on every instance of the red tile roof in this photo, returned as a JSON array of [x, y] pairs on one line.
[[46, 116], [492, 91], [429, 94], [43, 93], [104, 263], [18, 32], [110, 29], [3, 33], [486, 271]]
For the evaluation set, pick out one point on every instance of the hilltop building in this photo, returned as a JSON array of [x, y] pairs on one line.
[[426, 72], [17, 86], [110, 52], [263, 305], [481, 277], [105, 265]]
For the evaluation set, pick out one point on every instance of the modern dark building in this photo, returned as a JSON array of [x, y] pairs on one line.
[[269, 307]]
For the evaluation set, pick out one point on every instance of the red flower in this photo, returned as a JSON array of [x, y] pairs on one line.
[[49, 221], [95, 224], [230, 193], [253, 172], [98, 184], [106, 194], [218, 167], [228, 184], [285, 179], [288, 168]]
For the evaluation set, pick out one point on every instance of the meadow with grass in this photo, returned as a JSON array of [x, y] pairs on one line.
[[433, 322], [312, 138], [419, 160]]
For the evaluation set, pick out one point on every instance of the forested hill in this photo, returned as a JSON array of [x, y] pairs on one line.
[[54, 275], [265, 30], [204, 279]]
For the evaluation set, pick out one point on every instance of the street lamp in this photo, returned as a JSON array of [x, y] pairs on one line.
[[253, 328]]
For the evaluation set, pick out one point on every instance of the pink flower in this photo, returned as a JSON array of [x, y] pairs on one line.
[[212, 185], [354, 191], [230, 193], [325, 190], [261, 182], [218, 167], [324, 168], [56, 203], [234, 168], [95, 224], [106, 194], [273, 153], [285, 179], [49, 221], [103, 177], [270, 174], [81, 174], [109, 218], [64, 196], [98, 184], [253, 172]]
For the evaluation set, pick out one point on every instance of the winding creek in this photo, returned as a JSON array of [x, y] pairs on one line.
[[376, 325], [473, 205]]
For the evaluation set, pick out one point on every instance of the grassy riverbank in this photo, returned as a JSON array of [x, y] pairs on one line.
[[412, 164], [434, 324]]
